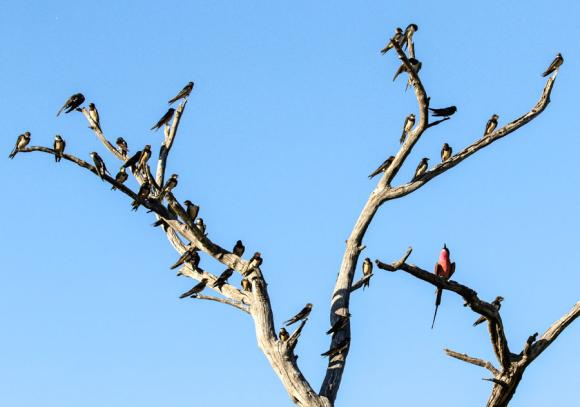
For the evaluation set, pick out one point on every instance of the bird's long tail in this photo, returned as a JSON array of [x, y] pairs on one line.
[[437, 303], [13, 153]]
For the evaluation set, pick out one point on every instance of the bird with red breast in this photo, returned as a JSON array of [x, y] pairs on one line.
[[444, 268]]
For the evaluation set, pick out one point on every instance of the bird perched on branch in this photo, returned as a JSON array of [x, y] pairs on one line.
[[283, 335], [338, 349], [255, 261], [415, 65], [190, 256], [446, 152], [191, 209], [143, 158], [99, 165], [421, 168], [398, 38], [409, 123], [164, 120], [72, 103], [556, 63], [303, 314], [200, 225], [239, 249], [367, 269], [133, 160], [246, 285], [195, 290], [94, 115], [383, 167], [491, 124], [21, 143], [223, 278], [121, 177], [495, 304], [443, 112], [444, 269], [58, 147], [408, 35], [143, 194], [183, 93], [169, 185], [339, 325], [122, 144]]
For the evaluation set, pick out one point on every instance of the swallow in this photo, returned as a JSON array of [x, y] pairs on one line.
[[200, 225], [491, 124], [443, 112], [421, 168], [495, 304], [223, 278], [58, 147], [283, 335], [144, 157], [94, 115], [72, 103], [169, 185], [99, 165], [191, 209], [160, 222], [121, 177], [164, 120], [133, 160], [556, 63], [239, 249], [190, 256], [338, 349], [383, 167], [398, 38], [183, 93], [246, 285], [255, 261], [195, 290], [409, 123], [122, 144], [408, 35], [415, 65], [444, 268], [303, 314], [367, 269], [339, 325], [446, 152], [143, 194], [21, 142]]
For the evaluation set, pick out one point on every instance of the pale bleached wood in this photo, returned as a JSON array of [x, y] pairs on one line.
[[474, 361]]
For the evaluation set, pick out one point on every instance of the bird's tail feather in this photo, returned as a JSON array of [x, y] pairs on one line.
[[437, 303]]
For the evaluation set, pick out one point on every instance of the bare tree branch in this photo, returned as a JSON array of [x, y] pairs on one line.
[[474, 361], [168, 143], [223, 301]]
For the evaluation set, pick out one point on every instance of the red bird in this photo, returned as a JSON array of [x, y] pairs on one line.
[[444, 269]]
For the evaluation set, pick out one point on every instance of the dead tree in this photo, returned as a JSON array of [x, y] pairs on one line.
[[188, 238]]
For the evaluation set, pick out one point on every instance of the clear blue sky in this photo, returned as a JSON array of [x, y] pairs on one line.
[[293, 107]]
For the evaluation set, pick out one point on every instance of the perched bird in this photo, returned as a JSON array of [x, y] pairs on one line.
[[556, 63], [338, 349], [367, 269], [239, 249], [444, 112], [122, 144], [415, 65], [144, 157], [160, 222], [223, 278], [446, 152], [444, 269], [495, 304], [99, 165], [94, 115], [409, 123], [200, 225], [143, 194], [169, 185], [383, 167], [191, 209], [58, 147], [255, 261], [491, 124], [21, 142], [165, 119], [283, 335], [190, 256], [121, 177], [398, 38], [408, 35], [246, 285], [133, 160], [303, 314], [421, 168], [72, 103], [339, 325], [195, 290], [183, 93]]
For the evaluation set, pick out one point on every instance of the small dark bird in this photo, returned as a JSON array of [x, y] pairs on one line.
[[239, 249], [443, 112], [223, 278], [367, 269], [421, 168], [58, 147], [495, 304], [408, 35], [398, 38], [94, 115], [446, 152], [300, 316], [183, 93], [143, 194], [169, 185], [444, 269], [21, 143], [121, 177], [491, 124], [99, 165], [122, 144], [255, 261], [246, 285], [383, 167], [409, 123], [145, 156], [191, 209], [556, 63], [189, 256], [165, 119], [160, 222], [339, 325], [133, 160], [338, 349], [72, 103], [415, 65], [200, 225], [283, 335], [195, 290]]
